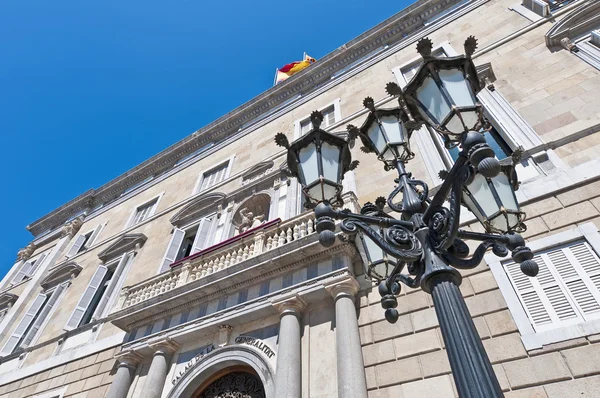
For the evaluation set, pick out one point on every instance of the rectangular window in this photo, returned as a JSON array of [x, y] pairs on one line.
[[28, 269], [540, 7], [329, 118], [143, 212], [566, 290], [214, 176], [186, 242], [84, 241]]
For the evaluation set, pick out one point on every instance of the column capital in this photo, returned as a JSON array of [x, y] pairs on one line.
[[129, 358], [164, 345], [344, 286], [294, 305]]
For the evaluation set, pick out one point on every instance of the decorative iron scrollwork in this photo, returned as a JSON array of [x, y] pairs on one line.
[[235, 385]]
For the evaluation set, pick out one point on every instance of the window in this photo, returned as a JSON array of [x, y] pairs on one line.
[[185, 242], [328, 120], [143, 212], [563, 301], [540, 7], [588, 48], [28, 269], [97, 295], [32, 321], [84, 241], [214, 176]]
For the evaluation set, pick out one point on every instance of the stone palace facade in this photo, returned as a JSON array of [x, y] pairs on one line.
[[198, 272]]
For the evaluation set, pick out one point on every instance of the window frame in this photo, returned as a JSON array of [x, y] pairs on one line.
[[214, 166], [586, 50], [337, 111], [156, 198], [59, 393], [532, 339]]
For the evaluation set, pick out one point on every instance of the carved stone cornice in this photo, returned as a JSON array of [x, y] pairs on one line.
[[346, 286], [293, 305], [71, 228], [388, 33], [163, 346], [129, 358]]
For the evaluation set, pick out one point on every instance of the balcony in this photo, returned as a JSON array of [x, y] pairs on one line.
[[262, 251]]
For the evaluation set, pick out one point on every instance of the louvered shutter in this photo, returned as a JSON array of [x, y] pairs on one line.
[[34, 267], [583, 282], [23, 272], [86, 298], [94, 235], [20, 330], [173, 248], [111, 286], [76, 246], [201, 239], [39, 320]]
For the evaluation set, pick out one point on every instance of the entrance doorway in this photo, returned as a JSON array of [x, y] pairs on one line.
[[234, 382]]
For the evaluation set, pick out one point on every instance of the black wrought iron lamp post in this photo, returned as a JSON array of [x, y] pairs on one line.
[[426, 240]]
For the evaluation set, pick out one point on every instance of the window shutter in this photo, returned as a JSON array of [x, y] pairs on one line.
[[86, 298], [111, 286], [34, 267], [76, 246], [201, 240], [174, 244], [584, 279], [20, 330], [23, 272], [37, 324], [94, 235]]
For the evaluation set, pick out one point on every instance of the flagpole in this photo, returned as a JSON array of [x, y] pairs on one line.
[[275, 78]]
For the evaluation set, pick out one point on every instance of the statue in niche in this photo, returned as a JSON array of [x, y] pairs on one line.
[[25, 253], [249, 220]]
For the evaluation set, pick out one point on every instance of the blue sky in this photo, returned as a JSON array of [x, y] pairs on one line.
[[90, 89]]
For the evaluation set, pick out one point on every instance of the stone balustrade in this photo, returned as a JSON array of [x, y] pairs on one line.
[[219, 257]]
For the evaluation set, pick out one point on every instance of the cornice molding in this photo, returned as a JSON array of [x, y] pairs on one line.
[[391, 31]]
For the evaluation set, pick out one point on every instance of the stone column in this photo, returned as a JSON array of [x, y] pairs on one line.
[[350, 365], [159, 368], [288, 375], [128, 361]]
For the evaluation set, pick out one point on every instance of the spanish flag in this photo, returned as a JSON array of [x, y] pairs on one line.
[[290, 69]]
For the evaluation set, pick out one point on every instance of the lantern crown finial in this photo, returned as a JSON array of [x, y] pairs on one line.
[[353, 132], [281, 140], [393, 89], [424, 47], [470, 46], [369, 103], [316, 118]]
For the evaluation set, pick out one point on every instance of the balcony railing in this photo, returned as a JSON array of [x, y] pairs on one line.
[[236, 250]]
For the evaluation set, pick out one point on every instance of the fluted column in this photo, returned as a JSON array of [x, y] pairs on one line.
[[128, 361], [288, 376], [159, 368], [350, 365]]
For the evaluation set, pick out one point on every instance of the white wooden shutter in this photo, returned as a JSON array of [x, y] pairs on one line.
[[111, 286], [76, 246], [39, 320], [582, 282], [94, 235], [20, 330], [202, 235], [173, 248], [34, 267], [86, 298], [23, 272]]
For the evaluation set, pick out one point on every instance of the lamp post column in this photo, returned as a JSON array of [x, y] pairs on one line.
[[128, 361], [351, 368], [159, 368], [288, 377], [471, 367]]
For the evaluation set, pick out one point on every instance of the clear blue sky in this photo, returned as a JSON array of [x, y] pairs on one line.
[[90, 89]]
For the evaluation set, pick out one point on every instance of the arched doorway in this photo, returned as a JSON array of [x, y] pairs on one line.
[[234, 382]]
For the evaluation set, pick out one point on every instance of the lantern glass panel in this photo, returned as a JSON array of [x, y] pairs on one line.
[[483, 196], [393, 129], [431, 97], [331, 161], [455, 125], [309, 163], [376, 137], [505, 192], [374, 252], [466, 199], [457, 86]]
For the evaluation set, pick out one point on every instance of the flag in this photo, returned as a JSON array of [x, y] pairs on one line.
[[290, 69]]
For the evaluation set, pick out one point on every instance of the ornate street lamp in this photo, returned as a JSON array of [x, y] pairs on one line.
[[426, 240]]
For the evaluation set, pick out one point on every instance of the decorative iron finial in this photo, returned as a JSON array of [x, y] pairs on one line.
[[353, 165], [364, 149], [316, 118], [352, 132], [380, 202], [424, 47], [470, 46], [369, 104], [281, 140], [393, 89]]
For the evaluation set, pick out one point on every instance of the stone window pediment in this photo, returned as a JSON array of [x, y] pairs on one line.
[[257, 171], [197, 208], [7, 300], [60, 274], [122, 245]]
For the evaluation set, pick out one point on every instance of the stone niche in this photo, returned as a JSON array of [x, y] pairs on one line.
[[252, 213]]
